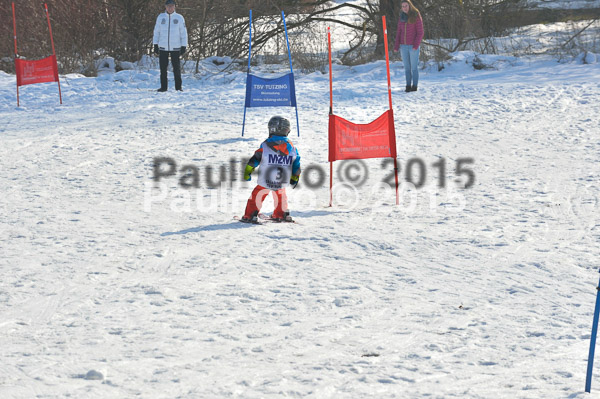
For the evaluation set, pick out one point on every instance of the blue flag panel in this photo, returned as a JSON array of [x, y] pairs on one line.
[[278, 92]]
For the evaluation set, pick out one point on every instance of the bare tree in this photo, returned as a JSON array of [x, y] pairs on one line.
[[87, 29]]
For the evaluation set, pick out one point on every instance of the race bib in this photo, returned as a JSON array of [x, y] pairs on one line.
[[276, 166]]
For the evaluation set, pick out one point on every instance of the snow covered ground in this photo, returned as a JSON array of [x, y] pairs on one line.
[[485, 292], [559, 39], [562, 5]]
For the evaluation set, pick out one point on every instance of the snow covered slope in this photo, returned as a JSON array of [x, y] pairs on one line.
[[485, 292], [563, 5]]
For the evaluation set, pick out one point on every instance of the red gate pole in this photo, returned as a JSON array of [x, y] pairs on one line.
[[330, 114], [53, 52], [387, 61], [387, 65], [330, 73], [14, 27], [16, 53]]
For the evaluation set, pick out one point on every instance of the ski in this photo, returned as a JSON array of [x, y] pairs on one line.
[[269, 218], [239, 219], [262, 219]]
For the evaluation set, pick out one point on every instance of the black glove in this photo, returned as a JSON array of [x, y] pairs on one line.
[[182, 51], [156, 49]]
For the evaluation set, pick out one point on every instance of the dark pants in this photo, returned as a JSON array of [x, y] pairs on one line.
[[164, 63]]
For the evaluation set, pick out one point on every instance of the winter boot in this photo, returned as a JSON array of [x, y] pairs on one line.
[[408, 88], [414, 88], [161, 90]]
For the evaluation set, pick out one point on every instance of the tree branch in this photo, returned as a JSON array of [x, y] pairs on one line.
[[580, 32]]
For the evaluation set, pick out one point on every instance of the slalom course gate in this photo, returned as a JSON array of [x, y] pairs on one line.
[[590, 366], [277, 92], [35, 71], [349, 140]]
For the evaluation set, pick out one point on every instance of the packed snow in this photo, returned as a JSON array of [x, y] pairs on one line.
[[563, 5], [115, 285]]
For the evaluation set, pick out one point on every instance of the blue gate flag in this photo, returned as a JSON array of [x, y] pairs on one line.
[[277, 92]]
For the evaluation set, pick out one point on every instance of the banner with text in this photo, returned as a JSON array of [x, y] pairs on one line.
[[37, 71], [349, 140], [278, 92]]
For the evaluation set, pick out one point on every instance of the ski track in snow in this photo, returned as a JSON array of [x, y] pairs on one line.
[[477, 293]]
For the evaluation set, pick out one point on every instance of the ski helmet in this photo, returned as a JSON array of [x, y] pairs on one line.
[[279, 126]]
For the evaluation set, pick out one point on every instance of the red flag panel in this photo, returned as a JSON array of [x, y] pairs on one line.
[[37, 71], [349, 140]]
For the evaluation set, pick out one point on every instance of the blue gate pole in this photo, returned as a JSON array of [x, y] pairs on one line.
[[288, 42], [291, 68], [250, 43], [249, 58], [588, 379], [297, 121]]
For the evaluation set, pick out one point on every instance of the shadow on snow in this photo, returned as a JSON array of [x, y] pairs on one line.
[[238, 225]]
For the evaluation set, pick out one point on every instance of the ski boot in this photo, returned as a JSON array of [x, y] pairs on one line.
[[252, 219]]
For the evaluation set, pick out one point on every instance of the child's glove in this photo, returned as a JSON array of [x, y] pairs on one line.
[[247, 172], [294, 181]]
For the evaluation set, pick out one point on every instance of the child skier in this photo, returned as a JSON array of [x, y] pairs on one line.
[[279, 163]]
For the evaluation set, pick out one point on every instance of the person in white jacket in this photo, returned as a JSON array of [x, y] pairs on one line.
[[170, 40]]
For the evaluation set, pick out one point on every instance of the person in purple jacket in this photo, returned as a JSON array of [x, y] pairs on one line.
[[408, 38]]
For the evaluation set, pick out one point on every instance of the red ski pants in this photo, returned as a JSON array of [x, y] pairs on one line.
[[258, 197]]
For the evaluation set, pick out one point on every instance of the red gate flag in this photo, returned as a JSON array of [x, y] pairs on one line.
[[37, 71], [349, 140]]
